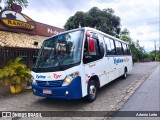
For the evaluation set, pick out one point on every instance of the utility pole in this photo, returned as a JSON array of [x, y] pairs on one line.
[[155, 49]]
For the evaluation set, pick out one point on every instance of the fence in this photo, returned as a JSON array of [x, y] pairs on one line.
[[28, 54]]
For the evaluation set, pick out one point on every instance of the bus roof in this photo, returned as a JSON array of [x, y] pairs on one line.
[[105, 34], [92, 29]]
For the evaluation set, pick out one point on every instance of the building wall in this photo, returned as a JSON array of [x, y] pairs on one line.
[[14, 45], [10, 39]]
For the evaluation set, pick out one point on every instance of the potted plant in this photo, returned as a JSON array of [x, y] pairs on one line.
[[13, 73]]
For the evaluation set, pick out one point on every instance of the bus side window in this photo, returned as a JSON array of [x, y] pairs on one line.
[[124, 48], [108, 46], [121, 48], [86, 52], [101, 45], [113, 51], [128, 50], [90, 56], [118, 48]]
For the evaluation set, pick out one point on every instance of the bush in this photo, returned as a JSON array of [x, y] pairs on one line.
[[14, 72]]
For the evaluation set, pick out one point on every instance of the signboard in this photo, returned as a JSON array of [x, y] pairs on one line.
[[15, 21]]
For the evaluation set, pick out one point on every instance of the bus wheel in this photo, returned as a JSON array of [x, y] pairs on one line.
[[125, 73], [92, 91]]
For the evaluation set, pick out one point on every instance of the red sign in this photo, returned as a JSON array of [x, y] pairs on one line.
[[56, 76], [15, 21]]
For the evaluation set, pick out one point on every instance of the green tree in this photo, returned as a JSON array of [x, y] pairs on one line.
[[125, 32], [134, 51], [158, 57], [124, 35], [152, 55], [103, 20], [8, 3], [145, 55], [138, 52]]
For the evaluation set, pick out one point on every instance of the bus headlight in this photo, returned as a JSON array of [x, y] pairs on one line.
[[69, 78], [33, 80]]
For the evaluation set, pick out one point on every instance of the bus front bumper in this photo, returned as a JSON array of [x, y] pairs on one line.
[[72, 91]]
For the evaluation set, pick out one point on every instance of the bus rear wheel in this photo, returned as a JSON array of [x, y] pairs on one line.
[[92, 91], [125, 73]]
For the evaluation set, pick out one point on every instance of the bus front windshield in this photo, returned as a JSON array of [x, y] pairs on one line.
[[64, 49]]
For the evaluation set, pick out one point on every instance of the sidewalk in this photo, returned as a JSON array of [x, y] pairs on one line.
[[5, 90], [146, 98]]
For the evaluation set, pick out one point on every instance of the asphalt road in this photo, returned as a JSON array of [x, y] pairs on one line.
[[146, 98], [111, 97]]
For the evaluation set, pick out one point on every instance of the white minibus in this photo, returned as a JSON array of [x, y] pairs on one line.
[[76, 63]]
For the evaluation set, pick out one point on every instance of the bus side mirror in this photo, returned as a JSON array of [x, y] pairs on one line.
[[91, 45]]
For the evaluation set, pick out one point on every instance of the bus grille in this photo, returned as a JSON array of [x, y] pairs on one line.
[[56, 83]]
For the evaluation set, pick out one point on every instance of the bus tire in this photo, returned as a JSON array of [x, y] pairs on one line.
[[125, 73], [92, 91]]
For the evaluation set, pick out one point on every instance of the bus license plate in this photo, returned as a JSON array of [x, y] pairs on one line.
[[47, 91]]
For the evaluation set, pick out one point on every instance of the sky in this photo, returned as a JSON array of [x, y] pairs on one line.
[[140, 17]]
